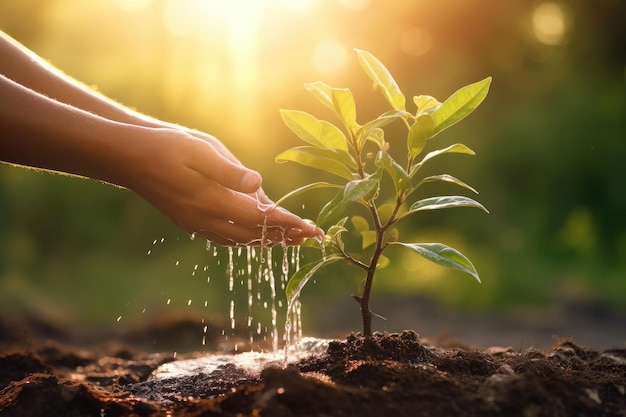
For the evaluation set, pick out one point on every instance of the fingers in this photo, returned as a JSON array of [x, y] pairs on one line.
[[204, 190], [238, 218], [227, 234]]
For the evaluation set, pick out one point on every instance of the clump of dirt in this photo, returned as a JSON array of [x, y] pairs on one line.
[[387, 375]]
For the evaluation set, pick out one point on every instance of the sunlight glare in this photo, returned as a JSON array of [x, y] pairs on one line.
[[134, 5], [354, 4], [232, 27], [550, 23], [298, 5], [329, 56], [177, 16]]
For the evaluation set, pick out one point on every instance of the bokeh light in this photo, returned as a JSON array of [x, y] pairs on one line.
[[551, 23]]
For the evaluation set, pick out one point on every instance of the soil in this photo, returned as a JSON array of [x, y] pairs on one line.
[[399, 374]]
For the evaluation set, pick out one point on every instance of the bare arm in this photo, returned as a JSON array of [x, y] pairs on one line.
[[189, 176], [23, 66]]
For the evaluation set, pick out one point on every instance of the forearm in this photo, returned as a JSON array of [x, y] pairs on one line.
[[28, 69], [60, 137]]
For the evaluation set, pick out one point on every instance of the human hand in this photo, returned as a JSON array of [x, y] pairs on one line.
[[195, 181]]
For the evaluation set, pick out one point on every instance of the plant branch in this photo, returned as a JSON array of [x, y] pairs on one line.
[[352, 259]]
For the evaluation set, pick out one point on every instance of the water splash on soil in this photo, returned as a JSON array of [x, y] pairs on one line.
[[252, 363]]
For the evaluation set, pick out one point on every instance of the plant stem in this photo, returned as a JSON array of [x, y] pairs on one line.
[[366, 313]]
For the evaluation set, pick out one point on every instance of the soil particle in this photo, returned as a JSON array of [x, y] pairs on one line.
[[386, 375]]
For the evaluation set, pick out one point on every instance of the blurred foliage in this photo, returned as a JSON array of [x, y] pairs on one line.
[[550, 139]]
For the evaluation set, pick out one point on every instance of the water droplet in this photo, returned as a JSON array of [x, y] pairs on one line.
[[169, 300], [232, 314], [189, 302], [192, 236], [285, 266], [119, 318], [230, 268]]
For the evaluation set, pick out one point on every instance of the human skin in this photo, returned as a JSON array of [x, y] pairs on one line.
[[52, 122]]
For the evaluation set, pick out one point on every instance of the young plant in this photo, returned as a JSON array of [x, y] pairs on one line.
[[347, 151]]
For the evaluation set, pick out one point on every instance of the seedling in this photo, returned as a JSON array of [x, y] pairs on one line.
[[358, 155]]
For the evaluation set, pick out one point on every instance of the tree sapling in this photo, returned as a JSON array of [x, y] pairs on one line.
[[343, 151]]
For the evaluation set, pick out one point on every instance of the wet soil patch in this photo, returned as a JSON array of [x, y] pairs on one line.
[[388, 375]]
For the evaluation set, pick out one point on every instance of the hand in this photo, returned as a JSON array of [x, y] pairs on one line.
[[195, 181]]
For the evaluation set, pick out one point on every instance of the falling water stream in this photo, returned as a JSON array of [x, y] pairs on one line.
[[264, 301], [258, 280]]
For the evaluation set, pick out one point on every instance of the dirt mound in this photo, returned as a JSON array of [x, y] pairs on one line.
[[388, 375]]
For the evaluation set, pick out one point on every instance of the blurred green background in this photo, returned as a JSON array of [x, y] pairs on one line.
[[550, 139]]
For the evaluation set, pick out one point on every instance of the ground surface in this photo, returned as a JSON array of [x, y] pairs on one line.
[[391, 375]]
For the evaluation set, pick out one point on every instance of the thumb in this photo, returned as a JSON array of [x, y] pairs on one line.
[[236, 176]]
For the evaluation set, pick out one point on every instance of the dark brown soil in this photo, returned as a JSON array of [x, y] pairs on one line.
[[389, 375]]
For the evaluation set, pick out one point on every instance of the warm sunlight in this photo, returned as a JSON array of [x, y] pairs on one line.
[[134, 5], [329, 56]]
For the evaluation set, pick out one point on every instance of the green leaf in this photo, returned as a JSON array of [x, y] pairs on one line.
[[353, 191], [442, 202], [446, 178], [382, 78], [302, 276], [460, 104], [422, 130], [340, 100], [360, 223], [426, 104], [368, 238], [362, 228], [322, 91], [442, 255], [456, 148], [318, 133], [384, 119], [377, 136], [333, 235], [305, 188], [344, 106], [397, 173], [323, 159], [386, 210]]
